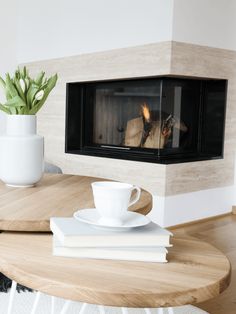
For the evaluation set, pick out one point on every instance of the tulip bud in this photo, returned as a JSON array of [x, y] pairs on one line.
[[22, 85], [27, 82], [39, 95]]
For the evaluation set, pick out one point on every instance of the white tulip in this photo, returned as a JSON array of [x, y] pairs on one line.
[[39, 95], [27, 82], [22, 84]]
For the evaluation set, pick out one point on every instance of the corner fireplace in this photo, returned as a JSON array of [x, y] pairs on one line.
[[163, 119]]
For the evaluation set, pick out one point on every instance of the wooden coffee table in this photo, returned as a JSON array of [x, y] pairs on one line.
[[56, 195], [196, 272]]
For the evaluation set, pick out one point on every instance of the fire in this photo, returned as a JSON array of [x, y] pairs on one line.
[[145, 112]]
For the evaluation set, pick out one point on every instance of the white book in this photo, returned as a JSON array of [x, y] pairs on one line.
[[142, 254], [73, 233]]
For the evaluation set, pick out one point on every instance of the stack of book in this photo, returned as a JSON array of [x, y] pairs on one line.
[[72, 238]]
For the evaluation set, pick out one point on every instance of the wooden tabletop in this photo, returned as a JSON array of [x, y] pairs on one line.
[[30, 209], [196, 272]]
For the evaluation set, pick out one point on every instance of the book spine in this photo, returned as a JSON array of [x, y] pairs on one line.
[[107, 256], [111, 242]]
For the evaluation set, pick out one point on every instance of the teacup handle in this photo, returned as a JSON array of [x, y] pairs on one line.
[[136, 197]]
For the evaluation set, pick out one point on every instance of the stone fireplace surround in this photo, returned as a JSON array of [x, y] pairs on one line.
[[182, 192]]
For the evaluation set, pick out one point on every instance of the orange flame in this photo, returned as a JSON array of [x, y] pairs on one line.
[[145, 112]]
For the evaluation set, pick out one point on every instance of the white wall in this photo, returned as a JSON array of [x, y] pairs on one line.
[[56, 28], [8, 35], [182, 208], [8, 41], [205, 22]]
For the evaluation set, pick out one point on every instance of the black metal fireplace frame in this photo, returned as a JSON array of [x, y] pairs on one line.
[[76, 132]]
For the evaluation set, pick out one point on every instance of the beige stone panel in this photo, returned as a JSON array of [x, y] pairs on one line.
[[201, 175], [202, 61], [143, 61], [148, 60], [146, 175], [140, 61]]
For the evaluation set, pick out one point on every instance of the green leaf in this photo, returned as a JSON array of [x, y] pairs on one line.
[[27, 82], [51, 84], [10, 88], [20, 91], [33, 89], [3, 108], [23, 72], [16, 101], [13, 110], [44, 85], [17, 75], [8, 96], [22, 110], [2, 83], [39, 78]]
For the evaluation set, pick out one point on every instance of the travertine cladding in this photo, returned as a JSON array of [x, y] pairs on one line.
[[167, 58], [199, 61]]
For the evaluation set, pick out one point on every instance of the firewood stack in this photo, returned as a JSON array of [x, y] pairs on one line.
[[146, 133]]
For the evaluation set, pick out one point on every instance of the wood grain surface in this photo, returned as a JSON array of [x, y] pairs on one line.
[[220, 232], [196, 271], [30, 209]]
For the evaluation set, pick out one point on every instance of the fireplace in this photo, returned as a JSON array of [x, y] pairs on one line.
[[163, 119]]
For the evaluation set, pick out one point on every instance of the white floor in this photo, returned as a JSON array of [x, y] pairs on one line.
[[23, 305]]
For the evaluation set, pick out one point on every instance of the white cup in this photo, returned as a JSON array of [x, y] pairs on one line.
[[112, 200]]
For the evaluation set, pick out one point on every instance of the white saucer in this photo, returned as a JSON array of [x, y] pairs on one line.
[[130, 220]]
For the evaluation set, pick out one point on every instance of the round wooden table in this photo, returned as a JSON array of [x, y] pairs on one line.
[[196, 272], [56, 195]]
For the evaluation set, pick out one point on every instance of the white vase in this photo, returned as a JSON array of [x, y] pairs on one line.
[[21, 152]]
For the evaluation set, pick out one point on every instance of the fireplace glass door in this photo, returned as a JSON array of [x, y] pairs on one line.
[[143, 115], [127, 116], [155, 119]]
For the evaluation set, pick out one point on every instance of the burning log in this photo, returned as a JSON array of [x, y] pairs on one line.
[[146, 133], [147, 124]]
